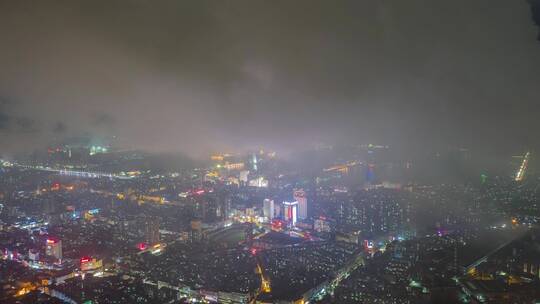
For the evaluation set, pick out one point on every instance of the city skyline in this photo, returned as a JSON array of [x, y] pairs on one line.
[[261, 152]]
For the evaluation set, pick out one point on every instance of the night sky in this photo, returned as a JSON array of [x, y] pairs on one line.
[[200, 76]]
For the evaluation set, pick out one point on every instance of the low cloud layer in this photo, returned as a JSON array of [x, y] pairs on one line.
[[201, 76]]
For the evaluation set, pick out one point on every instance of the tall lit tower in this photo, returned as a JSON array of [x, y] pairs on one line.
[[268, 209], [370, 173], [151, 231], [196, 230], [290, 212], [53, 248], [254, 162], [226, 207], [300, 197]]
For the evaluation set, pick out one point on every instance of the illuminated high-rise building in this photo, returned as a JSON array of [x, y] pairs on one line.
[[151, 230], [48, 206], [268, 209], [224, 207], [290, 210], [370, 173], [53, 248], [243, 177], [196, 230], [300, 197], [254, 162]]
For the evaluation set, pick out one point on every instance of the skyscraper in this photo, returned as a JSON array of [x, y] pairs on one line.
[[370, 174], [53, 248], [243, 177], [48, 206], [300, 197], [151, 230], [224, 206], [254, 162], [268, 209], [290, 210], [196, 230]]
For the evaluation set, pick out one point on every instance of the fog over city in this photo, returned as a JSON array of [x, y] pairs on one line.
[[269, 151], [204, 75]]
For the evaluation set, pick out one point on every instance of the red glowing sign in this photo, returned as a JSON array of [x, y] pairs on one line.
[[142, 246], [199, 192], [277, 223], [51, 241], [254, 251], [85, 260]]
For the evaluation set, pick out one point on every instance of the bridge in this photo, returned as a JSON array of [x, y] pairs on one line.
[[76, 173], [471, 269], [520, 174], [343, 168]]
